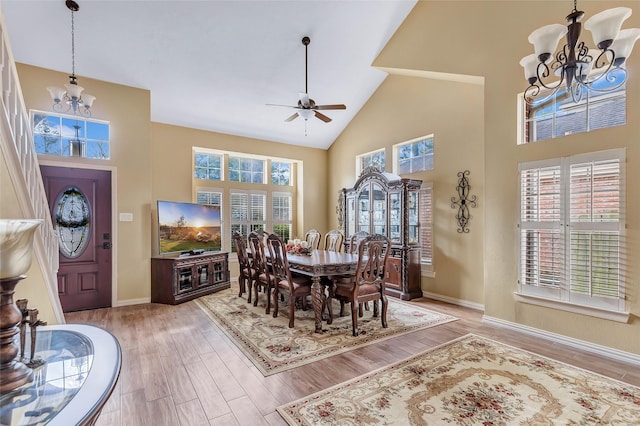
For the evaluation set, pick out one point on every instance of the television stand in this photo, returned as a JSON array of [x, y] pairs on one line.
[[177, 278]]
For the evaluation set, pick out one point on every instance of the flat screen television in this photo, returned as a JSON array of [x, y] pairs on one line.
[[188, 227]]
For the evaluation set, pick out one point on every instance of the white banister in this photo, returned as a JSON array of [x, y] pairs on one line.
[[17, 144]]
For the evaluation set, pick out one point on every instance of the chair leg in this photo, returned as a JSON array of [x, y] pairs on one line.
[[384, 303], [360, 311], [255, 288], [292, 309], [354, 318], [242, 285], [267, 289], [249, 290], [341, 307], [375, 308], [276, 293]]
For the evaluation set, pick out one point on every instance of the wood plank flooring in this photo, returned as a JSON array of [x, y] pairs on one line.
[[179, 368]]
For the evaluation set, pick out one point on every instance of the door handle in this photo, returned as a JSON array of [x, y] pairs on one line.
[[106, 245]]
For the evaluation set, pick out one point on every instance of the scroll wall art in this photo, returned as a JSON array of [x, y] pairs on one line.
[[463, 202]]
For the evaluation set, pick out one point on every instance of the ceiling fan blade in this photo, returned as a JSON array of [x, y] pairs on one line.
[[293, 117], [334, 106], [279, 105], [304, 99], [322, 117]]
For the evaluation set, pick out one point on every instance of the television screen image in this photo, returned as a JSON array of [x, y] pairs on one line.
[[187, 226]]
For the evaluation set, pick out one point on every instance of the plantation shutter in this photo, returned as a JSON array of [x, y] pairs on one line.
[[595, 228], [282, 214], [426, 224], [541, 233]]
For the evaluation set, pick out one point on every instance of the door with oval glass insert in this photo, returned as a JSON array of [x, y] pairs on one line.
[[80, 204]]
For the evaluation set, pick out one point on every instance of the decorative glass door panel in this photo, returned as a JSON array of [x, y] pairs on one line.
[[73, 222], [414, 226], [395, 218], [379, 200], [364, 210], [203, 275], [185, 279], [351, 217]]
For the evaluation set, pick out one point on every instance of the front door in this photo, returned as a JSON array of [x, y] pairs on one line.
[[80, 205]]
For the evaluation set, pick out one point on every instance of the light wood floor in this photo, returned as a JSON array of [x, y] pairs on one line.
[[179, 368]]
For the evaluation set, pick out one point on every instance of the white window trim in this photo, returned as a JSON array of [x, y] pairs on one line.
[[223, 163], [555, 298]]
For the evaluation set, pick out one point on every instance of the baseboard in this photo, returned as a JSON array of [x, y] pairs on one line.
[[569, 341], [453, 301], [129, 302]]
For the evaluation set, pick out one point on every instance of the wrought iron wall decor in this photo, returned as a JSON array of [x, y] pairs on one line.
[[463, 202]]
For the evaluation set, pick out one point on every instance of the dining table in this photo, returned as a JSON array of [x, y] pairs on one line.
[[318, 264]]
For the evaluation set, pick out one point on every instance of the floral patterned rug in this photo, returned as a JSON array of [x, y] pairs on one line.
[[273, 347], [468, 381]]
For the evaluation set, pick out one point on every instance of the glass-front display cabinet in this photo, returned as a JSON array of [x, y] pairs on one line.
[[384, 203]]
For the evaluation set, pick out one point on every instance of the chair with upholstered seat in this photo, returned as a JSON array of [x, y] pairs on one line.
[[368, 282], [247, 272], [313, 237], [263, 278], [293, 287], [333, 241]]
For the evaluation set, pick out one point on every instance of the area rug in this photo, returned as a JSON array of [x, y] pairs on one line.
[[274, 347], [468, 381]]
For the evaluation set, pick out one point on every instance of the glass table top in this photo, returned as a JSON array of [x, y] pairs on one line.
[[82, 364]]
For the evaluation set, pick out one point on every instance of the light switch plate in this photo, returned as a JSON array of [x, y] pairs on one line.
[[126, 217]]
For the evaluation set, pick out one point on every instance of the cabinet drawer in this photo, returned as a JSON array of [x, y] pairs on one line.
[[393, 273]]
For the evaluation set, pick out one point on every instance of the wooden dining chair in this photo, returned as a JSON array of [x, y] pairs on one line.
[[368, 282], [355, 241], [263, 279], [313, 237], [247, 272], [292, 287], [334, 241]]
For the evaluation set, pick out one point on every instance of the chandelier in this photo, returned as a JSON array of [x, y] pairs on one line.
[[576, 66], [70, 97]]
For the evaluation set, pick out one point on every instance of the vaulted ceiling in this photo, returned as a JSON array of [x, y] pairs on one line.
[[214, 65]]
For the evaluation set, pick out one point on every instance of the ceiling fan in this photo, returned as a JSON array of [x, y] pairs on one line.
[[307, 107]]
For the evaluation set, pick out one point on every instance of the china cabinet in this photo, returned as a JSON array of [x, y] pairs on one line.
[[384, 203], [177, 279]]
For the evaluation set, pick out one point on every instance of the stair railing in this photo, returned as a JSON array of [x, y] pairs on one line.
[[17, 144]]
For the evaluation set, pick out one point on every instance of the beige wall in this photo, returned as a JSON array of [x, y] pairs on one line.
[[404, 108], [172, 173], [152, 161], [488, 39], [128, 111]]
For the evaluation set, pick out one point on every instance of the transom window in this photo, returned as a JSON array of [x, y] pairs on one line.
[[554, 116], [208, 166], [374, 158], [572, 230], [68, 135], [249, 170], [280, 173], [413, 156]]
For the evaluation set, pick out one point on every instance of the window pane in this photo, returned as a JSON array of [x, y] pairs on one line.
[[415, 156]]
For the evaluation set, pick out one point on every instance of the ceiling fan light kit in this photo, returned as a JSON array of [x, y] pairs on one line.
[[307, 107]]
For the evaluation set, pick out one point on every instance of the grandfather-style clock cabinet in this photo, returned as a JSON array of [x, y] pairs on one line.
[[384, 203]]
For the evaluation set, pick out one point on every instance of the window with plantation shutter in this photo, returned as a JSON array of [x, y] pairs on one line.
[[282, 215], [426, 224], [572, 230], [248, 212]]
